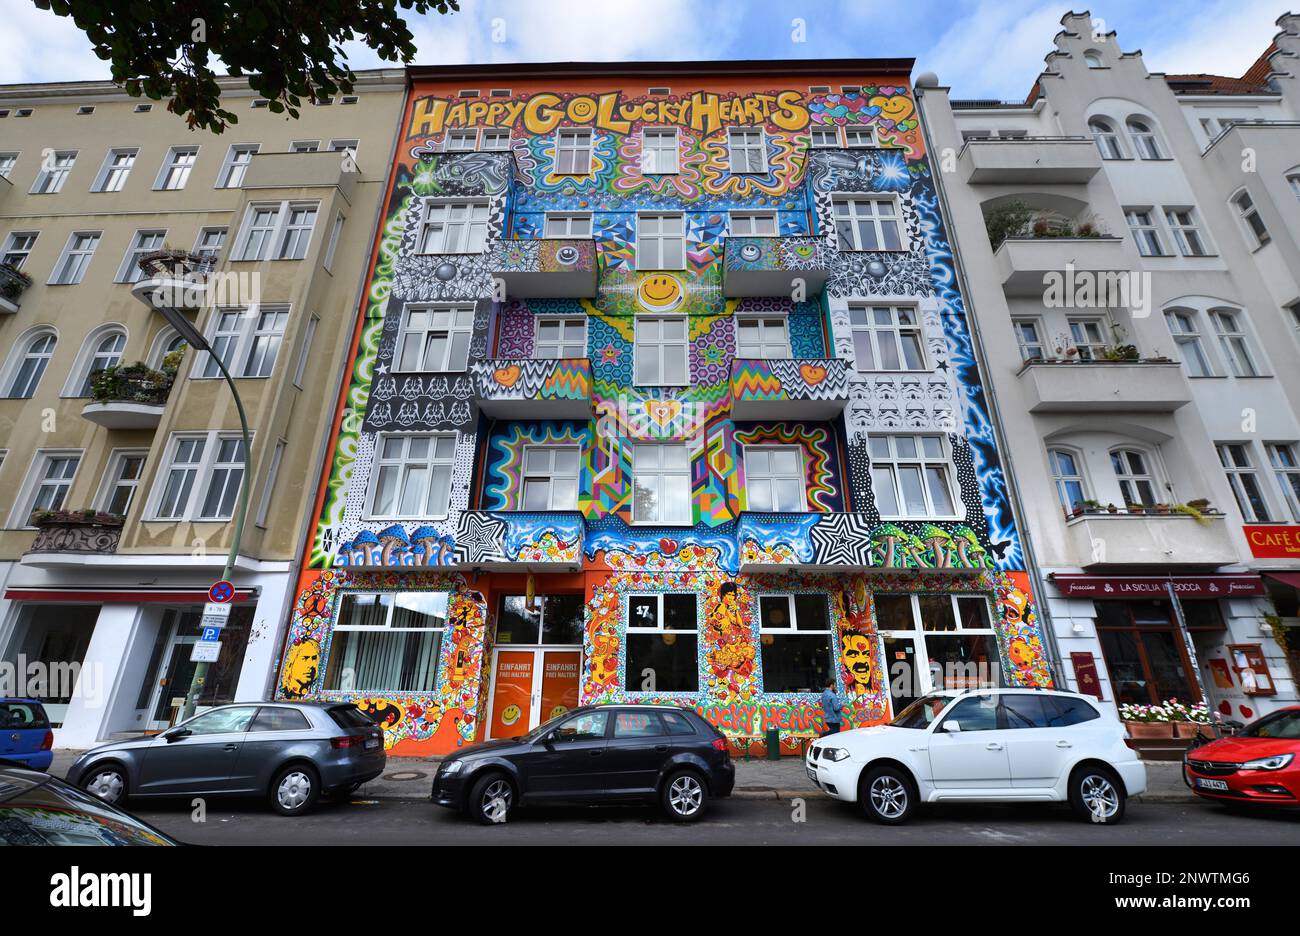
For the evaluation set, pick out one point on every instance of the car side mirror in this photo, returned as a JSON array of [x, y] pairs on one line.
[[952, 725], [176, 734]]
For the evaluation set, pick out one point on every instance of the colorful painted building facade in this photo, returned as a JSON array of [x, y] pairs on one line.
[[663, 391]]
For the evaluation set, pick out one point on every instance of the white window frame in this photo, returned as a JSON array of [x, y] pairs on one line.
[[112, 481], [74, 261], [336, 231], [22, 351], [489, 137], [50, 180], [112, 176], [661, 158], [304, 146], [662, 239], [1255, 231], [235, 166], [1235, 471], [90, 359], [1284, 460], [754, 479], [201, 245], [549, 476], [746, 151], [852, 215], [765, 324], [567, 225], [37, 476], [175, 173], [880, 336], [819, 134], [1191, 239], [444, 317], [1061, 479], [1146, 143], [661, 347], [1129, 480], [659, 473], [460, 141], [403, 465], [1088, 336], [1146, 231], [1033, 322], [237, 331], [574, 147], [468, 235], [1234, 343], [752, 223], [8, 161], [566, 323], [277, 235], [15, 253], [1106, 137], [129, 271], [1188, 341], [891, 461], [268, 487], [204, 471], [300, 369]]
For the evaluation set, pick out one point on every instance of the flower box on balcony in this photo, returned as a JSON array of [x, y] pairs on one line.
[[75, 531], [131, 383], [13, 283], [1150, 731], [96, 518]]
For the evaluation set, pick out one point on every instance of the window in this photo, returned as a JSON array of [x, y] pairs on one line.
[[305, 352], [1187, 234], [859, 136], [1136, 483], [1187, 337], [953, 633], [662, 636], [304, 146], [18, 247], [886, 338], [238, 158], [202, 477], [144, 242], [279, 719], [661, 351], [264, 505], [1286, 469], [335, 232], [645, 724], [752, 224], [1107, 140], [1250, 218], [264, 343], [31, 366], [762, 337], [210, 242], [1240, 469], [1232, 341], [1086, 336], [1145, 233], [551, 620], [1029, 339], [76, 257], [179, 480], [559, 338], [867, 223], [661, 484], [977, 713], [54, 172], [1292, 179], [573, 152], [658, 151], [113, 174], [412, 477], [567, 224], [1144, 139], [276, 231], [246, 340], [176, 168], [387, 641], [1067, 477], [494, 140], [1093, 59], [121, 480], [824, 137], [454, 227], [7, 163], [550, 477], [227, 473], [434, 338], [54, 474], [344, 146], [461, 141], [107, 353], [774, 479], [911, 476], [660, 242], [747, 151], [795, 637], [142, 108]]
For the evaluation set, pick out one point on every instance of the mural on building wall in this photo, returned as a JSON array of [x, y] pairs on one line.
[[812, 399]]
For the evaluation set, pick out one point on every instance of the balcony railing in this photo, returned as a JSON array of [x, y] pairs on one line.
[[788, 388], [130, 397], [78, 532], [174, 279], [527, 388], [540, 268], [1037, 160], [775, 266], [13, 283], [770, 542], [1108, 384]]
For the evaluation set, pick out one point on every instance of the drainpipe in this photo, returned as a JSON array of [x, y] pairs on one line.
[[1018, 513]]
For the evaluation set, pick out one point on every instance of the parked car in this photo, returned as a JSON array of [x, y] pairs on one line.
[[987, 745], [289, 752], [37, 809], [1258, 764], [25, 734], [593, 755]]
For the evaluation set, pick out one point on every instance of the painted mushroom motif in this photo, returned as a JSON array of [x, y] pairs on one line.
[[392, 539], [426, 540], [366, 549]]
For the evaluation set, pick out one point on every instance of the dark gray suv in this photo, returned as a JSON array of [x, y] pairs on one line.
[[289, 752]]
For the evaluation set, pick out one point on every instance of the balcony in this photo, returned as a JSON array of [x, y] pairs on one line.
[[1150, 538], [526, 388], [175, 279], [1024, 263], [789, 388], [1043, 160], [13, 283], [484, 539], [1136, 386], [323, 169], [131, 397], [546, 268], [770, 542], [770, 266], [73, 534]]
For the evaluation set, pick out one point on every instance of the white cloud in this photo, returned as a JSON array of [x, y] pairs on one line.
[[1221, 38], [994, 51], [36, 45]]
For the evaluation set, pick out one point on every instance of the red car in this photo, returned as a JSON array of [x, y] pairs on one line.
[[1261, 764]]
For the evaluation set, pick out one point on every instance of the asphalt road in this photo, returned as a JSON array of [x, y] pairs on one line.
[[730, 822]]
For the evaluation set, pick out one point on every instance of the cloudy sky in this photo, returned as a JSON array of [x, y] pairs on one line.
[[981, 48]]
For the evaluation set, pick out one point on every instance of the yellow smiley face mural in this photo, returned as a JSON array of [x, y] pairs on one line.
[[510, 715], [660, 292]]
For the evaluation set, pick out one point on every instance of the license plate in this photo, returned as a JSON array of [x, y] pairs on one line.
[[1211, 784], [372, 743], [812, 774]]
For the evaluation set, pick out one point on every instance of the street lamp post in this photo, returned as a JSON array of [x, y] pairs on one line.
[[194, 338]]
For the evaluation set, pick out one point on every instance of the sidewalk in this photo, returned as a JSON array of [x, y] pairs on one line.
[[411, 777]]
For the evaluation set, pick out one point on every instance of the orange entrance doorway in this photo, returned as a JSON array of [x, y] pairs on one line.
[[530, 686]]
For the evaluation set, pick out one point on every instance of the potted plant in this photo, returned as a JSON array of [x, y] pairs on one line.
[[1137, 509], [13, 281], [1162, 508], [45, 518], [1111, 508], [1188, 721]]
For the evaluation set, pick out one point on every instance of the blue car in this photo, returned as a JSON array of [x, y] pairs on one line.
[[25, 734]]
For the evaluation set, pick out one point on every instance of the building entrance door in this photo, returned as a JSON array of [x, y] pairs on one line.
[[530, 686], [173, 679]]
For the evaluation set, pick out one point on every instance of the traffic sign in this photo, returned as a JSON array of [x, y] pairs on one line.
[[206, 651], [215, 615], [221, 592], [210, 634]]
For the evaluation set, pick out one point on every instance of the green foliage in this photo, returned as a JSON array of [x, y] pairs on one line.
[[289, 50], [131, 383], [77, 517], [1006, 221]]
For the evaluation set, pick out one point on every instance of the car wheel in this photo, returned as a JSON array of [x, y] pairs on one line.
[[887, 795], [491, 799], [295, 790], [107, 783], [1097, 795], [685, 797]]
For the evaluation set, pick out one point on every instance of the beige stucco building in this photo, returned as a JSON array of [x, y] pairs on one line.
[[280, 214]]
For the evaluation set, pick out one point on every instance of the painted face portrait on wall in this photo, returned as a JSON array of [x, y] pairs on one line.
[[301, 668], [858, 660]]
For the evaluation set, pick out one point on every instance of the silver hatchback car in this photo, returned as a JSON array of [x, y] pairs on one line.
[[289, 752]]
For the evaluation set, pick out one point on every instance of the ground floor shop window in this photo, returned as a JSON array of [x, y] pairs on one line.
[[1144, 649], [387, 641], [953, 636], [172, 669], [56, 638], [795, 634], [662, 636], [550, 620]]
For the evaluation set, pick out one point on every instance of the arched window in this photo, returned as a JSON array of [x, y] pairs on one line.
[[34, 358], [164, 343], [1144, 139], [1133, 471], [107, 353], [1068, 477], [1107, 140], [1093, 59], [1187, 336]]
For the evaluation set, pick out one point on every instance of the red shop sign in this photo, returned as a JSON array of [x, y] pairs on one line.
[[1273, 542], [1187, 586]]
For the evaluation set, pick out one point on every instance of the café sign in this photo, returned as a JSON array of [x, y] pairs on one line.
[[1273, 542], [1156, 586]]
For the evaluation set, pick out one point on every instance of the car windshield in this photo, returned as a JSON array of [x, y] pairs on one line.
[[921, 713], [544, 727], [1284, 724]]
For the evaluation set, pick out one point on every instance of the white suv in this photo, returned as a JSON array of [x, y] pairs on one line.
[[990, 745]]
